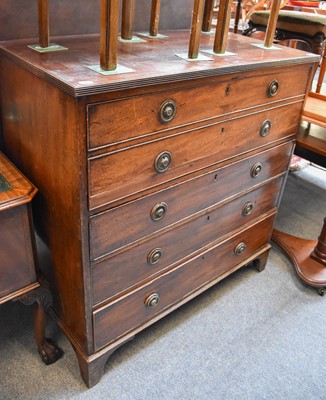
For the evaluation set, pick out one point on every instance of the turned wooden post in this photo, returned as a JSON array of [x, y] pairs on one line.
[[155, 17], [127, 20], [319, 252], [272, 21], [208, 16], [322, 71], [109, 34], [196, 25], [43, 23], [237, 16], [222, 29]]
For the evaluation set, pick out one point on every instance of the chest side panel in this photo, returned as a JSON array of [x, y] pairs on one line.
[[42, 136]]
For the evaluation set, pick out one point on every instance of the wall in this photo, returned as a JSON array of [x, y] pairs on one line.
[[18, 18]]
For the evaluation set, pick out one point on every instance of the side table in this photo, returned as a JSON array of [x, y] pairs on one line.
[[308, 257], [19, 279]]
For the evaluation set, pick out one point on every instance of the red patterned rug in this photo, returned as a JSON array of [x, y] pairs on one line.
[[298, 163]]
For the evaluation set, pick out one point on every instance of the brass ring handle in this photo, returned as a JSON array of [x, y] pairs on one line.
[[256, 170], [241, 247], [163, 161], [273, 88], [158, 211], [154, 256], [247, 208], [265, 128], [167, 111], [152, 300]]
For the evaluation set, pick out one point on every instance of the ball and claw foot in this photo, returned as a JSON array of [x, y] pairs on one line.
[[49, 351]]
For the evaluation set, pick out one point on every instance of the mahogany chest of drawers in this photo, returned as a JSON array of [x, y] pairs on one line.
[[154, 184]]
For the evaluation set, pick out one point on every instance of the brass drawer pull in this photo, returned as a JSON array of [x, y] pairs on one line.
[[167, 111], [152, 300], [241, 247], [247, 208], [163, 161], [256, 170], [265, 128], [158, 211], [273, 88], [154, 256]]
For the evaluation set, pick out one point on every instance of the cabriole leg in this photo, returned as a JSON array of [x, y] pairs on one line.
[[46, 347]]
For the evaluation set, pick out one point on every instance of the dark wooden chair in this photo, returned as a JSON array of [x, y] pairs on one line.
[[292, 25]]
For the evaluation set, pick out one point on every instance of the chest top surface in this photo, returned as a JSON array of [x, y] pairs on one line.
[[152, 62]]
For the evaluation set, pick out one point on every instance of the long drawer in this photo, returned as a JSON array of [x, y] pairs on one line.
[[127, 269], [110, 122], [133, 310], [135, 220], [139, 168]]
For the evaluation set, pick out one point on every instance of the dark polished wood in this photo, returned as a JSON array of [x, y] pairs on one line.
[[319, 252], [124, 163], [101, 244], [109, 172], [78, 80], [111, 275], [127, 21], [177, 283], [41, 297], [309, 265], [155, 17], [223, 18], [18, 264], [43, 23], [109, 34]]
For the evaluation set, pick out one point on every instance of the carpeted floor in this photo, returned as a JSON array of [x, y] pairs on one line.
[[253, 336]]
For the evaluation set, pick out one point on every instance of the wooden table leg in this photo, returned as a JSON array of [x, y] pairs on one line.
[[237, 16], [222, 29], [155, 17], [308, 257], [272, 21], [208, 16], [196, 25], [49, 351], [109, 34], [43, 23], [127, 19]]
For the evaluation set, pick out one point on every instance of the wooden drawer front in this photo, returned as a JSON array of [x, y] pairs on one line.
[[132, 221], [130, 311], [117, 121], [16, 264], [126, 269], [119, 174]]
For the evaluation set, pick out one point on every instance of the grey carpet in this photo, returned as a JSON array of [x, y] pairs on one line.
[[253, 336]]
